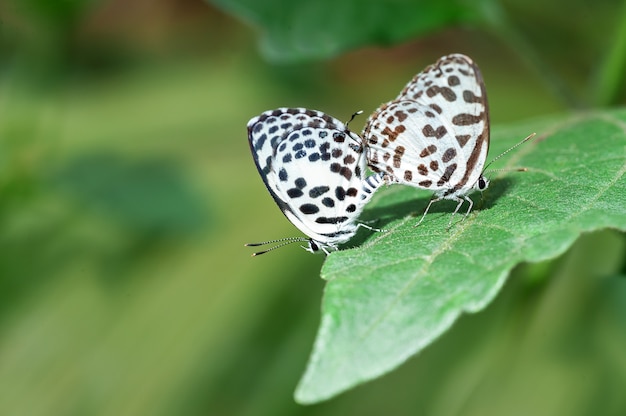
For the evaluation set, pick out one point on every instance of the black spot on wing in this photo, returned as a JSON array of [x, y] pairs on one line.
[[340, 193], [318, 191], [309, 209], [294, 193], [330, 220], [260, 141], [268, 166], [300, 183]]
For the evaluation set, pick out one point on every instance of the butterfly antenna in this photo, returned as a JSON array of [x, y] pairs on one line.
[[530, 136], [283, 242], [507, 170], [353, 116]]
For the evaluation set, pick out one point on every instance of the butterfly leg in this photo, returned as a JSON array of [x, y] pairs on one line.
[[471, 204], [378, 230], [432, 201], [458, 206], [325, 248]]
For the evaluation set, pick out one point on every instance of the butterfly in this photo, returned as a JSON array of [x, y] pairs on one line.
[[435, 133], [315, 169]]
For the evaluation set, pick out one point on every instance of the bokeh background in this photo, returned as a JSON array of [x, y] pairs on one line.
[[127, 192]]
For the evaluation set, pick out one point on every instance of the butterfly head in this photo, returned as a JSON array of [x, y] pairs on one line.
[[482, 183], [312, 247], [316, 247]]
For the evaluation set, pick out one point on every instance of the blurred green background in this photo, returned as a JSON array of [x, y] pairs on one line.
[[127, 192]]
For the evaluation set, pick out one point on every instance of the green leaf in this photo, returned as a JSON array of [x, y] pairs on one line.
[[316, 29], [395, 294], [146, 195]]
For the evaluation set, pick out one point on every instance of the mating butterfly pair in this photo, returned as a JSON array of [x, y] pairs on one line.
[[434, 135]]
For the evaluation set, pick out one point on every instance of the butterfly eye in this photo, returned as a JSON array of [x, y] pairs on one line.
[[483, 183], [313, 247]]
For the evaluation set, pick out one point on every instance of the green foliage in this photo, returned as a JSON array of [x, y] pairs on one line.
[[123, 189], [128, 191], [296, 30], [395, 294], [53, 13]]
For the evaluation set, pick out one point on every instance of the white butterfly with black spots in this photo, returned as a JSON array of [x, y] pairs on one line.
[[435, 134], [315, 169]]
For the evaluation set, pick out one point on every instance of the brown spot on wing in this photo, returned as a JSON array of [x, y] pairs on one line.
[[471, 98], [447, 174], [448, 155], [345, 172], [429, 131], [465, 119], [428, 150], [397, 156], [462, 139], [436, 108], [393, 134], [401, 115], [445, 92]]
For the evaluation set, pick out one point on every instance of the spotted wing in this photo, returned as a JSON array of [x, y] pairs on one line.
[[435, 134], [314, 168]]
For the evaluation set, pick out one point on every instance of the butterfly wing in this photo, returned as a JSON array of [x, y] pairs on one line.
[[314, 168], [435, 134]]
